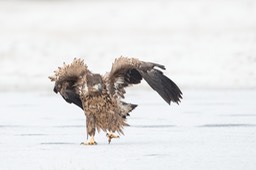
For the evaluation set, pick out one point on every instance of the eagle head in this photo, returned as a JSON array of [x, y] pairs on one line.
[[93, 84]]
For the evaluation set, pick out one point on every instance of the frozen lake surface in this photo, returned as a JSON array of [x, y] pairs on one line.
[[210, 129]]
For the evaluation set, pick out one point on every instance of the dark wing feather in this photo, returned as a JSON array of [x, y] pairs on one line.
[[164, 86], [128, 71]]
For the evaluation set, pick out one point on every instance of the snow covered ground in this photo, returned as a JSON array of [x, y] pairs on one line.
[[209, 130]]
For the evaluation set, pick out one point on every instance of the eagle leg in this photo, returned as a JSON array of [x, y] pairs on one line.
[[90, 142], [110, 136], [90, 128]]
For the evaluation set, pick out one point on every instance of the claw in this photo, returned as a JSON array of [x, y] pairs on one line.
[[111, 136], [91, 142], [88, 143]]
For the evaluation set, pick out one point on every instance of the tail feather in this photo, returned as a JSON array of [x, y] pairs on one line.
[[126, 109]]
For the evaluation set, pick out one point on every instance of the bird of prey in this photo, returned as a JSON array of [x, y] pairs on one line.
[[101, 96]]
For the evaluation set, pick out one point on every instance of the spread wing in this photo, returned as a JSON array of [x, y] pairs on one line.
[[129, 71], [66, 79]]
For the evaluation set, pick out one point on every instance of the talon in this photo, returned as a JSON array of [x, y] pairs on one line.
[[91, 142], [111, 136]]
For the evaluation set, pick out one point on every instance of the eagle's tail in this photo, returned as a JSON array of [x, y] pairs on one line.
[[126, 108]]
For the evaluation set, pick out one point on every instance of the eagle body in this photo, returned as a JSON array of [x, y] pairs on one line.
[[103, 113], [101, 97]]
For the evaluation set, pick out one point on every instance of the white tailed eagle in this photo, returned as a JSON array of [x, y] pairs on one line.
[[100, 97]]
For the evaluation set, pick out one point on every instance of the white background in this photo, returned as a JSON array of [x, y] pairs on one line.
[[202, 43], [208, 48]]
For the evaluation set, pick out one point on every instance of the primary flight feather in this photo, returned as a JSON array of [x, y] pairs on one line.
[[101, 97]]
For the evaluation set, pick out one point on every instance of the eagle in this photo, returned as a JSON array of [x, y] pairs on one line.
[[101, 96]]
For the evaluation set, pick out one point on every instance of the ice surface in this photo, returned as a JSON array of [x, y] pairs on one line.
[[208, 130]]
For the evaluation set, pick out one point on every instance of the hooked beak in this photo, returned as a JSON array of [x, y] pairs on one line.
[[55, 89]]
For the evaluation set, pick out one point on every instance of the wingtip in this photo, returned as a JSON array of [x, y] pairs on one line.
[[55, 89], [174, 101], [165, 87]]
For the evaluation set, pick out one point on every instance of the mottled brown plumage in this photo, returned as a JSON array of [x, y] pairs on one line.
[[101, 96]]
